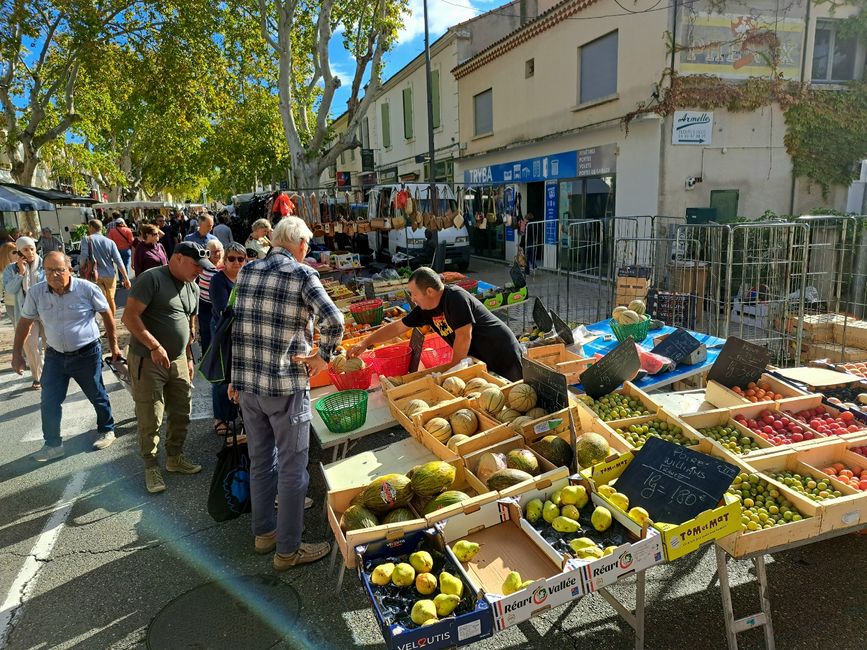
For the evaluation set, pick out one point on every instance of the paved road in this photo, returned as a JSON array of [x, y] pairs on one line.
[[89, 560]]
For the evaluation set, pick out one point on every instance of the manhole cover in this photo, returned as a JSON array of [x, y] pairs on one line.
[[249, 612]]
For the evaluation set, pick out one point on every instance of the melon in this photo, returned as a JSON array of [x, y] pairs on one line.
[[448, 498], [591, 448], [506, 478], [629, 317], [415, 407], [338, 363], [492, 399], [454, 385], [454, 441], [385, 493], [524, 460], [617, 311], [357, 517], [519, 422], [464, 422], [522, 397], [507, 415], [432, 478], [475, 385], [439, 428], [638, 307], [489, 464], [353, 365], [536, 413], [554, 449], [399, 516]]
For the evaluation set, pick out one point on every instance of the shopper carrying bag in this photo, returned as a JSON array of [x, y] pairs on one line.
[[229, 496]]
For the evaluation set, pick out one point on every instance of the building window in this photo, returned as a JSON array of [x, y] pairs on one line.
[[407, 113], [365, 134], [342, 157], [483, 113], [435, 96], [598, 69], [386, 127], [529, 68], [834, 57]]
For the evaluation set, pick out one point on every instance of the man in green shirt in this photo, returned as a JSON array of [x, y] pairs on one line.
[[158, 311]]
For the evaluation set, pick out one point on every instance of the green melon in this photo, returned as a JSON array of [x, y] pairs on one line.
[[432, 478], [444, 500], [385, 493], [554, 449], [506, 478], [591, 448], [356, 518], [524, 460], [399, 515]]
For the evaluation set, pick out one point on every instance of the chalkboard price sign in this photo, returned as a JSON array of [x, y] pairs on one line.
[[416, 343], [678, 345], [562, 329], [739, 363], [541, 316], [550, 385], [674, 483], [611, 370]]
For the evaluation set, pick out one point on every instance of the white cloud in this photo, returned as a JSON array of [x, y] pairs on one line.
[[441, 16]]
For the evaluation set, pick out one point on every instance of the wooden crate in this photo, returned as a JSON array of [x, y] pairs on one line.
[[796, 404], [478, 369], [588, 417], [842, 512], [723, 417], [503, 446], [486, 423], [425, 389], [557, 357], [629, 289], [852, 333], [389, 382], [817, 328], [688, 432]]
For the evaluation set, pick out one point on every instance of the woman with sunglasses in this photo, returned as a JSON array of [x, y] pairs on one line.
[[24, 272], [149, 252], [221, 287]]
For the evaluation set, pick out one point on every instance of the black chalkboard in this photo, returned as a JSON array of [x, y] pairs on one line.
[[611, 370], [562, 329], [369, 291], [678, 345], [739, 363], [674, 483], [541, 316], [549, 385], [416, 343]]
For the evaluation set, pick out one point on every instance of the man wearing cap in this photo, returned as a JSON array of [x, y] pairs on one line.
[[123, 238], [48, 243], [158, 312], [67, 308]]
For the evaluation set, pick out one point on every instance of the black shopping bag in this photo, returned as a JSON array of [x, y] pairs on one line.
[[216, 362], [229, 496]]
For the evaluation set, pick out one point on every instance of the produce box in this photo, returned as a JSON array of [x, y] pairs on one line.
[[501, 444], [470, 622], [633, 548], [797, 405], [629, 289], [446, 410], [689, 536], [849, 509], [508, 543], [558, 358], [630, 391], [834, 352], [767, 388], [556, 423], [677, 432], [852, 334], [425, 389], [701, 422]]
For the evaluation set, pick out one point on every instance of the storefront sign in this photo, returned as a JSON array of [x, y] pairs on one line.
[[388, 175], [692, 127], [597, 161], [560, 165], [551, 212]]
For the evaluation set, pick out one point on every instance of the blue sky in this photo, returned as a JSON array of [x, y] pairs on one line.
[[441, 14]]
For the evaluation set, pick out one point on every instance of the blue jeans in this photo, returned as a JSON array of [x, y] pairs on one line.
[[86, 370], [278, 438], [125, 257]]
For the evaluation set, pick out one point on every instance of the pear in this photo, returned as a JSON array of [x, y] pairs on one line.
[[430, 621], [403, 575], [556, 498], [620, 500], [580, 543], [601, 519], [446, 604], [566, 525], [465, 551], [550, 512], [512, 583], [606, 490], [421, 561], [533, 511], [382, 574], [608, 550], [425, 583], [451, 585], [526, 584], [423, 611], [570, 511], [572, 495], [639, 515], [589, 553]]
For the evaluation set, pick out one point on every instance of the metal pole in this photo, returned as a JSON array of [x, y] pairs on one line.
[[432, 192]]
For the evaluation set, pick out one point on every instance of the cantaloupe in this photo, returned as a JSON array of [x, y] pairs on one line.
[[536, 413], [475, 385], [492, 399], [464, 422], [617, 311], [454, 385], [629, 317], [507, 415], [353, 365], [522, 397], [638, 307], [439, 428], [454, 441], [338, 363], [519, 422], [415, 407]]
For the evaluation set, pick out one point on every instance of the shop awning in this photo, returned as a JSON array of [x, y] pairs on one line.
[[13, 200], [52, 196]]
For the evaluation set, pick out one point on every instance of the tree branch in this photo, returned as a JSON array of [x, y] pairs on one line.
[[330, 83], [264, 27]]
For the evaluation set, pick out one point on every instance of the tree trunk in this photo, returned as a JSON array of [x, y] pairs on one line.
[[24, 168], [306, 175]]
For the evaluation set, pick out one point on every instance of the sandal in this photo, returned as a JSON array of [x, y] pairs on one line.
[[36, 386], [221, 428]]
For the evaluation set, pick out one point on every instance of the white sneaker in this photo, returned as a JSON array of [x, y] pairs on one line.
[[104, 440]]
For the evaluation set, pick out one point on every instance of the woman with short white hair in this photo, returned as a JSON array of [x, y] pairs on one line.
[[215, 254], [291, 231], [18, 277], [258, 240]]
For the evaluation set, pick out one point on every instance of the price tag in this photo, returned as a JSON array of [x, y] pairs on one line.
[[416, 343], [678, 345], [739, 363], [674, 483], [550, 385], [611, 370]]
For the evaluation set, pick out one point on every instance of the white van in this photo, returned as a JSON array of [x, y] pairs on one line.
[[411, 240]]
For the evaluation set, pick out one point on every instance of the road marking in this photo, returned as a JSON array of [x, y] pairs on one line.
[[25, 581]]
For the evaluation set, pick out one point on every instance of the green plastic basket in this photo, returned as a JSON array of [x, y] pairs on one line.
[[638, 331], [344, 410]]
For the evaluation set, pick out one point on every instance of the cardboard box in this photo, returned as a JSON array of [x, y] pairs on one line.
[[509, 543], [502, 442], [752, 314], [691, 535], [852, 333], [816, 328], [345, 261], [486, 423], [449, 632], [587, 416], [833, 352], [625, 560]]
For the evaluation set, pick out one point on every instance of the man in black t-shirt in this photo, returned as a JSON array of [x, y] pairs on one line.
[[458, 317]]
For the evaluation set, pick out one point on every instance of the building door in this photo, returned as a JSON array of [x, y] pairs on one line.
[[535, 235], [726, 204]]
